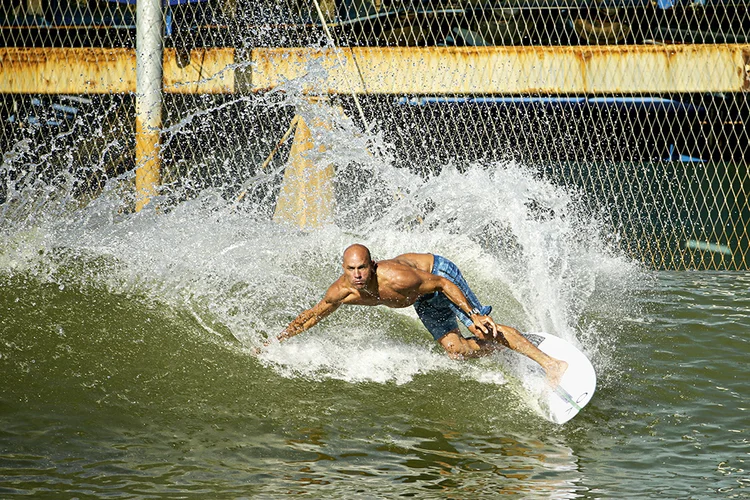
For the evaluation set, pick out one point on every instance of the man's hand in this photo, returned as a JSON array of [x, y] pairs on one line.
[[485, 324], [269, 341]]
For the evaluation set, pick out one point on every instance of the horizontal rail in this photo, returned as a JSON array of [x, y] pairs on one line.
[[511, 70], [104, 71], [626, 69]]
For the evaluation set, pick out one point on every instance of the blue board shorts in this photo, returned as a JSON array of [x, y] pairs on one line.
[[437, 312]]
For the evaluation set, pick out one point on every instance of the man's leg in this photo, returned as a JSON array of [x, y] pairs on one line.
[[459, 347], [512, 338]]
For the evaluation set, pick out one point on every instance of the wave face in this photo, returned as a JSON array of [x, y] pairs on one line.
[[129, 339], [525, 245]]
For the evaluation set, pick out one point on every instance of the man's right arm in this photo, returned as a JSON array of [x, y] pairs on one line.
[[484, 324], [309, 318]]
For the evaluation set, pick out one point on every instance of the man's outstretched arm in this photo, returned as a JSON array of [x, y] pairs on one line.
[[309, 318]]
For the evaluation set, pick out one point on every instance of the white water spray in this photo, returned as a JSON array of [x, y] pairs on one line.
[[525, 245]]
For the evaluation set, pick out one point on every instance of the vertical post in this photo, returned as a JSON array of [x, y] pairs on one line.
[[148, 104]]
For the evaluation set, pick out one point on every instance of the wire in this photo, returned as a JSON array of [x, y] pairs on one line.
[[341, 63]]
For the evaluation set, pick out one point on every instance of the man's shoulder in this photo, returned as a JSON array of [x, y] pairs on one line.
[[338, 291], [393, 266]]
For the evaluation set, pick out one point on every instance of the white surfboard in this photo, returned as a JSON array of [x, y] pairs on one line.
[[578, 382]]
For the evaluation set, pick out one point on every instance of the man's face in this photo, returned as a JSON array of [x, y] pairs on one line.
[[358, 269]]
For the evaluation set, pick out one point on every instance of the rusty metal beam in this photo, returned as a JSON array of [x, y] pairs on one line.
[[510, 70], [395, 70], [103, 71]]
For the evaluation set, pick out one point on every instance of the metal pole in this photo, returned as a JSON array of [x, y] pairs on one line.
[[148, 105]]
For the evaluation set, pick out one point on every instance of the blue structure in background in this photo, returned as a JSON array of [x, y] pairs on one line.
[[169, 15], [69, 13], [674, 156]]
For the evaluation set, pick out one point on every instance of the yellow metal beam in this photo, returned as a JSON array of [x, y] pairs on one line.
[[103, 71], [510, 70], [394, 70]]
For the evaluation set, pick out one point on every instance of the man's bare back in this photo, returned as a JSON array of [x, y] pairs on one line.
[[396, 283]]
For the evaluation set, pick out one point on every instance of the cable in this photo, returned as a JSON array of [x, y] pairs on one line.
[[341, 63]]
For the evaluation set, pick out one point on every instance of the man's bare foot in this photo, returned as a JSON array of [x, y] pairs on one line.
[[555, 371]]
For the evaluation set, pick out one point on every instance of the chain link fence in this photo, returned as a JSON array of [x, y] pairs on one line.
[[667, 164]]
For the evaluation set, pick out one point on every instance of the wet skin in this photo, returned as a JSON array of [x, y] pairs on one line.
[[399, 282]]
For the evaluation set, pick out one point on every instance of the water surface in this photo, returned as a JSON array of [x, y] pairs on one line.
[[127, 352]]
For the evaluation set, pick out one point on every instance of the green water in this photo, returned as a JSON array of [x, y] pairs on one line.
[[128, 366], [112, 395]]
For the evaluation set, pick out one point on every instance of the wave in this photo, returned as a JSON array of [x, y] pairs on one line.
[[527, 246]]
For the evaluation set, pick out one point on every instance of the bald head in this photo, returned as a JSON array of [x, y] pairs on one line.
[[358, 265], [358, 252]]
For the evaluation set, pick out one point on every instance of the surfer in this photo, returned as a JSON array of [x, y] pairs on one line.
[[439, 294]]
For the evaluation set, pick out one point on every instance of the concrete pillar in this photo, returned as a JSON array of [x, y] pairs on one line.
[[306, 199]]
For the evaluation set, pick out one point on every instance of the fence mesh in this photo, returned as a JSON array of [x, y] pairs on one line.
[[668, 165]]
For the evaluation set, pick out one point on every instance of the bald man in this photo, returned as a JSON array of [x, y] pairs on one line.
[[438, 292]]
